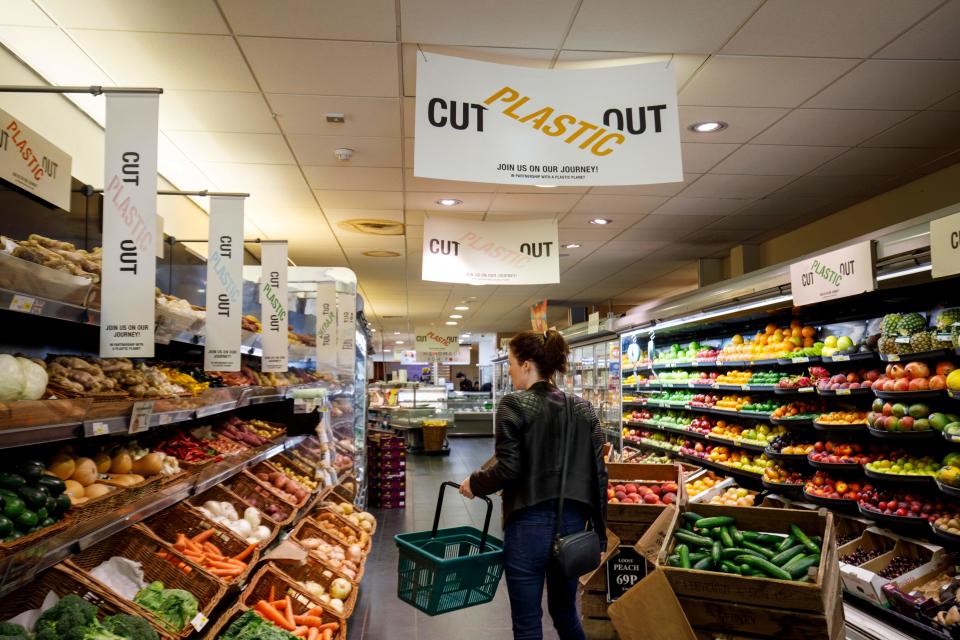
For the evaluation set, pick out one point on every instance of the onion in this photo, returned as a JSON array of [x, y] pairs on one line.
[[252, 516], [213, 507], [340, 589], [336, 604], [355, 553]]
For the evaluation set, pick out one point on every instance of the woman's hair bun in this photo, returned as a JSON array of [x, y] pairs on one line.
[[548, 351]]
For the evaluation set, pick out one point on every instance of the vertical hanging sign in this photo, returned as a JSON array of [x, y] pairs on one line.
[[346, 329], [273, 305], [327, 349], [224, 285], [128, 280]]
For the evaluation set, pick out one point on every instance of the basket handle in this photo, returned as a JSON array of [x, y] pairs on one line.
[[486, 521]]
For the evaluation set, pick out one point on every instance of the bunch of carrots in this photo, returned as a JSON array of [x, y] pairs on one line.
[[208, 555], [310, 625]]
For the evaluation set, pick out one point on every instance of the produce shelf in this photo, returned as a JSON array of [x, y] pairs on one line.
[[722, 468], [902, 435], [907, 395], [901, 521], [920, 355], [793, 422], [746, 446], [20, 567], [784, 489], [830, 503], [845, 392], [780, 391], [840, 428], [836, 467], [944, 534], [799, 360], [947, 489], [844, 357], [955, 395], [918, 480]]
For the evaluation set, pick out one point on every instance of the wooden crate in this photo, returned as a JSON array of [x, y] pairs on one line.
[[641, 514]]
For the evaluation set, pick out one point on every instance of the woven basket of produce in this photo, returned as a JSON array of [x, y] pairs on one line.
[[279, 484], [170, 479], [218, 550], [351, 512], [280, 600], [342, 529], [269, 430], [337, 556], [252, 624], [164, 569], [219, 626], [251, 491], [221, 505], [316, 579], [30, 539], [298, 465], [346, 488]]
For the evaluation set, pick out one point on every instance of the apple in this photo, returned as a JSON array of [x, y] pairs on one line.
[[889, 385], [867, 384], [944, 368], [872, 375], [906, 423], [917, 370], [852, 377], [838, 378]]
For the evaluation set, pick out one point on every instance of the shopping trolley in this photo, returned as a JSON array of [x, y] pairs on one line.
[[449, 569]]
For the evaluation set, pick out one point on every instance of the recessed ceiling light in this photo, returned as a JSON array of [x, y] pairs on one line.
[[396, 333], [449, 202], [572, 245], [461, 308], [456, 316], [398, 342], [451, 323], [372, 330], [710, 126], [381, 253], [601, 221], [546, 186]]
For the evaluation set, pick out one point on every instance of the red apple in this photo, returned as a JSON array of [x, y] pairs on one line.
[[872, 375]]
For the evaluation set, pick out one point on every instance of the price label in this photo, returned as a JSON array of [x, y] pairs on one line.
[[802, 359], [624, 570], [164, 418], [691, 384], [199, 621], [893, 357], [140, 416], [843, 392], [95, 428], [806, 389], [841, 358], [23, 304], [745, 387]]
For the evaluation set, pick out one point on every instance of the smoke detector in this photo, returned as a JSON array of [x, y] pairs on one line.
[[343, 154]]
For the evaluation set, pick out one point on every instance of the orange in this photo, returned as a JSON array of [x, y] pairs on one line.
[[808, 332], [808, 342], [737, 339], [795, 324], [787, 333], [771, 328]]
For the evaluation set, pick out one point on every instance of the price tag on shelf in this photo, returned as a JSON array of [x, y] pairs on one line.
[[843, 392], [23, 304], [892, 357], [691, 385], [840, 357], [95, 428], [806, 389], [802, 359], [164, 418], [199, 621], [745, 387], [140, 416]]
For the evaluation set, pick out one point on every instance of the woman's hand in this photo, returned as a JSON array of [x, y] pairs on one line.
[[465, 489]]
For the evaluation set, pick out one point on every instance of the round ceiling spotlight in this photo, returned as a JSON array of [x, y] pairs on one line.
[[451, 323], [461, 308], [456, 316], [572, 245], [601, 221], [396, 333], [449, 202], [381, 253], [711, 126], [398, 342]]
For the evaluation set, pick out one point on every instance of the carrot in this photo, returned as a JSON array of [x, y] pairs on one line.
[[289, 611], [273, 594], [300, 632], [270, 613], [163, 554], [315, 611], [212, 550], [327, 634], [329, 626], [279, 604], [181, 540], [217, 564], [226, 573], [245, 553], [203, 535], [311, 621], [314, 634], [193, 547]]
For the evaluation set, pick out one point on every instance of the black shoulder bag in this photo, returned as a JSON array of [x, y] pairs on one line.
[[577, 553]]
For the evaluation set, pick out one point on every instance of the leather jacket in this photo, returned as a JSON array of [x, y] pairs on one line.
[[529, 428]]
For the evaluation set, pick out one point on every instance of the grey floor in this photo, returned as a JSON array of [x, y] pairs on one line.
[[380, 615]]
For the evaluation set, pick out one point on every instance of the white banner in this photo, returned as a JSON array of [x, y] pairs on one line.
[[474, 252], [484, 122], [437, 345], [224, 285], [838, 274], [346, 329], [32, 163], [326, 325], [273, 305], [128, 281], [945, 246]]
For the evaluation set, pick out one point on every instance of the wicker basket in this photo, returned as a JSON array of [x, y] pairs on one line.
[[338, 525], [108, 504], [181, 518], [9, 548], [315, 570], [309, 529], [220, 494], [434, 437], [266, 467], [331, 504], [268, 579], [222, 623], [97, 397], [138, 545], [251, 491], [343, 492], [166, 480], [299, 465]]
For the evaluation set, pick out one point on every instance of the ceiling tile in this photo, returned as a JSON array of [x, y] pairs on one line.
[[470, 202], [657, 228], [701, 157], [416, 216], [321, 19], [354, 178], [830, 127], [537, 58], [950, 104], [360, 199], [602, 205], [367, 152], [874, 162], [892, 84], [812, 186], [926, 129], [357, 242], [743, 123], [776, 160], [748, 222], [849, 29], [695, 26], [230, 111], [368, 117], [663, 189], [934, 38], [284, 184], [494, 23], [256, 148], [684, 64], [683, 206], [783, 208], [336, 216], [413, 183], [593, 233], [336, 67], [735, 186], [24, 13], [173, 16], [171, 61], [533, 202], [761, 81]]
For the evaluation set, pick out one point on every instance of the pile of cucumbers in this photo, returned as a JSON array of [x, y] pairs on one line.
[[716, 544], [30, 499]]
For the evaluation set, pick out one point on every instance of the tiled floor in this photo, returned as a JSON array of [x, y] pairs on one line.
[[380, 615]]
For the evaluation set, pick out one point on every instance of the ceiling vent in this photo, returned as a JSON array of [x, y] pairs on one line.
[[379, 253], [373, 227]]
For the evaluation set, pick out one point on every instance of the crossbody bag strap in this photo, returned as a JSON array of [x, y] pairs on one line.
[[568, 425]]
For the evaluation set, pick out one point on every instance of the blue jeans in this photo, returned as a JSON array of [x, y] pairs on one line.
[[528, 561]]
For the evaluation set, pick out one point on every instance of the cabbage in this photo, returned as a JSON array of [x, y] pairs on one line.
[[34, 379], [11, 378]]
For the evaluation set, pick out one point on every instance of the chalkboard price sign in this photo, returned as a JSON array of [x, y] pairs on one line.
[[624, 570]]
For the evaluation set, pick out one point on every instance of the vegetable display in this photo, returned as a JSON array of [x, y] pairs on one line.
[[21, 378], [310, 626], [174, 608], [246, 526], [73, 618], [185, 448], [209, 556], [29, 500]]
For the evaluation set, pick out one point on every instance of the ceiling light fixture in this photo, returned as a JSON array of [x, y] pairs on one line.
[[601, 221], [456, 316], [920, 268], [398, 342], [572, 245], [545, 186], [461, 308], [711, 126], [380, 253], [451, 323], [449, 202], [396, 333]]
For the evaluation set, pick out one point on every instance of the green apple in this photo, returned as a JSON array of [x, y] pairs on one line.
[[844, 343], [831, 341], [899, 410]]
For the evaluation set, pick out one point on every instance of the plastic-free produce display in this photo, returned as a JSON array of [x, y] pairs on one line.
[[735, 497], [642, 493], [30, 500]]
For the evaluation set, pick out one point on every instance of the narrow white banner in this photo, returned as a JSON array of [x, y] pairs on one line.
[[273, 305], [945, 245], [493, 252], [128, 281], [33, 163], [224, 285], [326, 325], [837, 274], [346, 329]]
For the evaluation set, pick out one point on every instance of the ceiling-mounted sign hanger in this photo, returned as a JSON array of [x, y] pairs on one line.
[[224, 287], [485, 122], [845, 272], [273, 305]]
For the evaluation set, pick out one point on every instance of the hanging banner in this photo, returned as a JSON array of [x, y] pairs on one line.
[[32, 163], [485, 122], [838, 274], [538, 317], [326, 325], [128, 278], [945, 246], [474, 252], [436, 345], [273, 305], [224, 285], [346, 329]]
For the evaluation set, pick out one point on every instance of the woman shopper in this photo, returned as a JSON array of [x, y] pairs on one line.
[[527, 469]]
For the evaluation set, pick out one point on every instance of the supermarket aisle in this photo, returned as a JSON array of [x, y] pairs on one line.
[[379, 614]]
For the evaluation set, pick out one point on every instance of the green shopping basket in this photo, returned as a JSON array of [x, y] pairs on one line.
[[449, 569]]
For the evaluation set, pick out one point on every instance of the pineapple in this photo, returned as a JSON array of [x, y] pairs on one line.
[[889, 325], [922, 341], [904, 348], [946, 318], [887, 344], [911, 323]]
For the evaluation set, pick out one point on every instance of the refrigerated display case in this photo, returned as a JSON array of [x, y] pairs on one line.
[[593, 373], [473, 413], [502, 384]]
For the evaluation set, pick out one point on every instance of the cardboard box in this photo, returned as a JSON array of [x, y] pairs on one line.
[[846, 526], [922, 608], [865, 580], [715, 490]]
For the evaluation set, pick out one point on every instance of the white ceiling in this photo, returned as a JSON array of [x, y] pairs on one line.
[[827, 103]]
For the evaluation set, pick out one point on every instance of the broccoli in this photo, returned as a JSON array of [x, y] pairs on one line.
[[12, 631], [96, 632], [130, 627], [66, 620]]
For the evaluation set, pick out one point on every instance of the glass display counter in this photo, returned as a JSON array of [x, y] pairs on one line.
[[473, 413]]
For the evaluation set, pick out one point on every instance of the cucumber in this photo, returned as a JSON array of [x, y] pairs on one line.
[[692, 539], [726, 539], [803, 539], [735, 533], [750, 535], [13, 506], [31, 470], [788, 542], [715, 553], [684, 552], [11, 481], [784, 556], [730, 567], [745, 569], [26, 520], [703, 565], [697, 556], [34, 497], [715, 521], [769, 539], [800, 568], [63, 503], [730, 554], [690, 516], [6, 526], [767, 553], [765, 566], [673, 560], [54, 485]]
